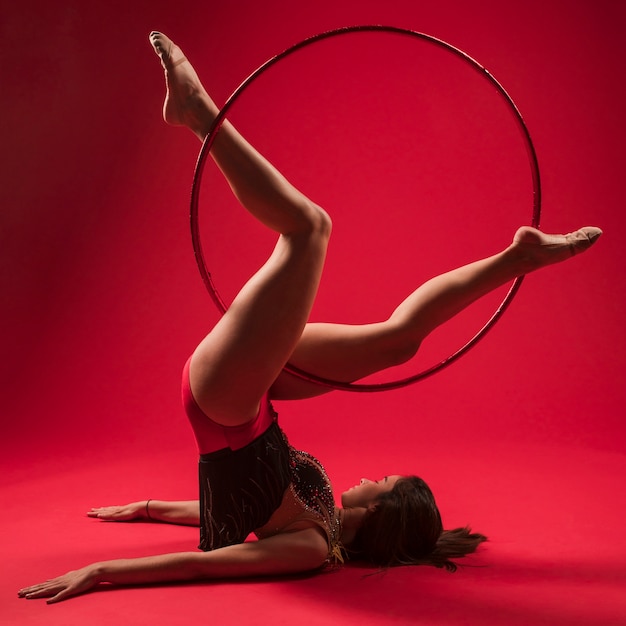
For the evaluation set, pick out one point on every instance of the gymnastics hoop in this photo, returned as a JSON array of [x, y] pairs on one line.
[[210, 138]]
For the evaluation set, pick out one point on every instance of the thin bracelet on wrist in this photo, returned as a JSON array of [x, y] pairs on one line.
[[148, 510]]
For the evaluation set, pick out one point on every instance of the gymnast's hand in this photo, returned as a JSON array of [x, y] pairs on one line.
[[63, 587], [124, 513]]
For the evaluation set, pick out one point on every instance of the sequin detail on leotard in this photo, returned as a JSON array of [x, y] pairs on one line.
[[309, 498], [310, 483], [311, 486]]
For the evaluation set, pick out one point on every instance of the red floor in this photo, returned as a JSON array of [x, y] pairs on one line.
[[553, 515]]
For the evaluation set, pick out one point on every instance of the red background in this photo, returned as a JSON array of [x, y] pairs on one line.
[[422, 168]]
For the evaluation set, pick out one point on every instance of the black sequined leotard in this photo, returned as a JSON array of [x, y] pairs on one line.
[[253, 481]]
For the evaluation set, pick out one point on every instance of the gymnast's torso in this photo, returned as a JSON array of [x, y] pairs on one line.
[[253, 481]]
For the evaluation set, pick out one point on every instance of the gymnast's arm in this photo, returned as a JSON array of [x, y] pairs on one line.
[[288, 553], [185, 513]]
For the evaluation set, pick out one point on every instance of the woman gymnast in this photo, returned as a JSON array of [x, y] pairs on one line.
[[251, 479]]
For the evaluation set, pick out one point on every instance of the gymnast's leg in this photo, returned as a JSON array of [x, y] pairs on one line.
[[235, 365], [348, 353]]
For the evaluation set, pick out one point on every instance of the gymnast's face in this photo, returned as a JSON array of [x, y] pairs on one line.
[[367, 491]]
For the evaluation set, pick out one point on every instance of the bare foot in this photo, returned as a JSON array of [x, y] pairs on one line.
[[186, 101], [539, 249]]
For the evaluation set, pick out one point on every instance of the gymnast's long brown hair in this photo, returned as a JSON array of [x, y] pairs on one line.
[[404, 528]]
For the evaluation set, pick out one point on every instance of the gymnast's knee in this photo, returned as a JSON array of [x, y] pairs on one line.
[[400, 347], [402, 351], [321, 222], [313, 221]]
